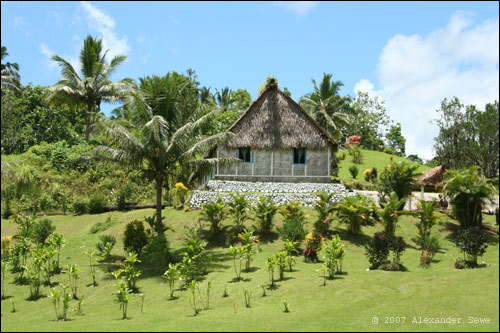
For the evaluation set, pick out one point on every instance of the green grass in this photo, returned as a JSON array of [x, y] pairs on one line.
[[347, 303], [371, 158]]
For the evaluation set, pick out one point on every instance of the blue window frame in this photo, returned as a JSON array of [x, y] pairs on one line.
[[299, 156], [245, 155]]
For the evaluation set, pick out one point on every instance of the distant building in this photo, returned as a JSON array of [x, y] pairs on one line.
[[276, 141]]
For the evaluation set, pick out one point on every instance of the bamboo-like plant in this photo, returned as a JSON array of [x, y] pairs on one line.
[[172, 274], [427, 219], [281, 262], [122, 296], [264, 210], [92, 262], [4, 270], [193, 286], [247, 240], [290, 247], [130, 272], [238, 253], [334, 254], [58, 241], [248, 297], [72, 272], [270, 264]]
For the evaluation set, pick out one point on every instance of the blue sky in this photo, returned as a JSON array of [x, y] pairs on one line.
[[410, 54]]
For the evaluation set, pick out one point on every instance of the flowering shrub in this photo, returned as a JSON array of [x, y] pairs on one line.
[[352, 140], [180, 192], [367, 175], [314, 242]]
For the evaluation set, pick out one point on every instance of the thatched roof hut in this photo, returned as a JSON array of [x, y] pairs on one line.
[[274, 121], [430, 179]]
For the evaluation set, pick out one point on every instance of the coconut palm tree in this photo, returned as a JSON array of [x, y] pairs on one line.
[[94, 85], [223, 97], [159, 140], [326, 106], [10, 73]]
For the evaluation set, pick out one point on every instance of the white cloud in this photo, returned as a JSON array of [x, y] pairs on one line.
[[53, 66], [416, 72], [105, 25], [300, 8]]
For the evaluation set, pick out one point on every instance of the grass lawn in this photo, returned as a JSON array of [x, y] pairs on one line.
[[371, 158], [350, 302]]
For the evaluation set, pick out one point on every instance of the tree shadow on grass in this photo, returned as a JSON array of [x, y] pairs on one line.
[[268, 237], [360, 239], [235, 280]]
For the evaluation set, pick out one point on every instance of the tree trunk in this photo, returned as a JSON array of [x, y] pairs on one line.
[[87, 122], [159, 223]]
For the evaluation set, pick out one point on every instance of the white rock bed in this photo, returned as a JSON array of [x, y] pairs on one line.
[[280, 193], [270, 187]]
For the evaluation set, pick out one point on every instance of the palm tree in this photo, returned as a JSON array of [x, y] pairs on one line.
[[10, 73], [94, 85], [160, 138], [223, 97], [326, 106]]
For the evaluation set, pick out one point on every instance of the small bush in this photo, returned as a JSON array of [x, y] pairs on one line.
[[390, 151], [293, 223], [265, 210], [105, 245], [353, 170], [80, 206], [380, 246], [42, 230], [367, 175], [472, 242], [314, 242], [97, 204], [135, 237]]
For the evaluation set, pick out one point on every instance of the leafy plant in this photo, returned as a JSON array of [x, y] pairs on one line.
[[58, 242], [468, 192], [193, 257], [270, 264], [72, 272], [134, 237], [314, 242], [293, 222], [472, 242], [4, 270], [334, 254], [122, 296], [130, 272], [324, 208], [42, 230], [172, 274], [391, 212], [281, 261], [398, 177], [380, 246], [193, 286], [353, 170], [105, 245], [286, 305], [248, 296], [264, 210], [290, 247], [427, 219], [356, 211], [80, 206], [214, 212], [238, 209], [238, 252], [247, 240], [92, 262]]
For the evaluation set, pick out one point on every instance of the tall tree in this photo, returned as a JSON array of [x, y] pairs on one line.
[[468, 136], [160, 139], [326, 106], [396, 140], [10, 74], [223, 97], [94, 85]]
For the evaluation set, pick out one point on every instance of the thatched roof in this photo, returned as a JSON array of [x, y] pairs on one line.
[[274, 121], [432, 177]]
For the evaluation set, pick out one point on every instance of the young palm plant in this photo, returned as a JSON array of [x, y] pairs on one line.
[[324, 208], [265, 210], [356, 211], [390, 213], [238, 208], [468, 192], [427, 219], [214, 212]]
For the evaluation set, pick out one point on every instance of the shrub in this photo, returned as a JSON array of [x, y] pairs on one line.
[[379, 247], [125, 193], [356, 211], [214, 213], [129, 271], [426, 221], [357, 155], [472, 242], [105, 245], [293, 222], [324, 208], [399, 178], [97, 204], [265, 210], [353, 170], [42, 230], [180, 192], [367, 175], [80, 206], [334, 254], [390, 213], [374, 174], [314, 242], [134, 237], [390, 151], [238, 208], [468, 192], [157, 250]]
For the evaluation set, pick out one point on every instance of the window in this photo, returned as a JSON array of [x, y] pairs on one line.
[[299, 156], [245, 155]]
